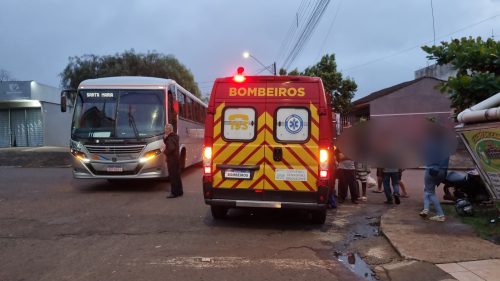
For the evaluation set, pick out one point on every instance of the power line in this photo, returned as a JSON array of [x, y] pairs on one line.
[[433, 25], [292, 29], [303, 36], [304, 13], [329, 30], [306, 32], [419, 45]]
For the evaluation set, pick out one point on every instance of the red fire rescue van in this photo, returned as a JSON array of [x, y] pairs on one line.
[[268, 143]]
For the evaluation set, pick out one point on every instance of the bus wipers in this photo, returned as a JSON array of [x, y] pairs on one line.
[[131, 122]]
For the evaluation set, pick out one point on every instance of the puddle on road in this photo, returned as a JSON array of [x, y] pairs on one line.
[[367, 227], [354, 263]]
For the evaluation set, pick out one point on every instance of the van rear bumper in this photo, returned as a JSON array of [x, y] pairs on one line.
[[264, 204], [248, 198]]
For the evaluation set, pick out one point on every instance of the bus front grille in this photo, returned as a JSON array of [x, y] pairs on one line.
[[121, 149]]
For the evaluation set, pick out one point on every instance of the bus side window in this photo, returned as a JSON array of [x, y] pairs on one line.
[[182, 103], [197, 112], [189, 108], [172, 112]]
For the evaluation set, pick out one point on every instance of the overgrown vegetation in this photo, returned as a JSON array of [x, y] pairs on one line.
[[480, 221], [128, 63], [477, 62]]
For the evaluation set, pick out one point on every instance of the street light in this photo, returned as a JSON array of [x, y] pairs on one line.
[[271, 68]]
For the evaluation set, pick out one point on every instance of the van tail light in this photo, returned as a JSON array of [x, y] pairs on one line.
[[207, 160], [323, 163]]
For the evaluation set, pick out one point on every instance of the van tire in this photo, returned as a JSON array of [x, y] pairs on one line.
[[218, 212], [318, 216]]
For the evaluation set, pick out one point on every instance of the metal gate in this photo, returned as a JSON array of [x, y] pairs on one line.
[[4, 128], [34, 126], [21, 127]]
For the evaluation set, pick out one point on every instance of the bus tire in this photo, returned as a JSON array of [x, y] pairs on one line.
[[318, 216], [218, 212], [182, 161]]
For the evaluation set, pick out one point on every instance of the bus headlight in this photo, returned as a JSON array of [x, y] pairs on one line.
[[80, 156], [149, 155]]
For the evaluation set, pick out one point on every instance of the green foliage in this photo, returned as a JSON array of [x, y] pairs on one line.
[[127, 63], [480, 221], [340, 90], [5, 75], [478, 69], [294, 72]]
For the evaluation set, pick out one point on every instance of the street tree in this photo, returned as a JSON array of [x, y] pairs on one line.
[[128, 63], [5, 75], [341, 90], [294, 72], [478, 69]]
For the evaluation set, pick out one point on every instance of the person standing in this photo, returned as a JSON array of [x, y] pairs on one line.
[[436, 167], [402, 186], [172, 152], [380, 176], [362, 172], [391, 176], [347, 178]]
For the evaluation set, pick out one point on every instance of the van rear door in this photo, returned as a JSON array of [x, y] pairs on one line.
[[238, 146], [293, 143]]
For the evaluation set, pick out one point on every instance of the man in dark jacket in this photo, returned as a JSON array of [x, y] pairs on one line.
[[172, 153]]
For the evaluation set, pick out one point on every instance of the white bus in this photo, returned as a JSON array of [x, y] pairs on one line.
[[119, 124]]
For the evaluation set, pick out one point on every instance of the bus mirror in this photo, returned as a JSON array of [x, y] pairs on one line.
[[63, 103], [65, 94]]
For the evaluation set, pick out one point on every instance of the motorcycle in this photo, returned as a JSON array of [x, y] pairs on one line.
[[468, 185], [467, 189]]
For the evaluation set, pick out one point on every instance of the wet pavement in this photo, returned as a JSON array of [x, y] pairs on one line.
[[35, 157], [351, 239]]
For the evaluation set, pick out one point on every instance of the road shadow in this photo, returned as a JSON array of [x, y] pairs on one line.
[[271, 219], [99, 185], [127, 185]]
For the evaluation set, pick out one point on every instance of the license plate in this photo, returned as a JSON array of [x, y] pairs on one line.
[[237, 174], [114, 169], [290, 175]]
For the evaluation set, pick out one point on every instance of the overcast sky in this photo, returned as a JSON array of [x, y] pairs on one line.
[[375, 42]]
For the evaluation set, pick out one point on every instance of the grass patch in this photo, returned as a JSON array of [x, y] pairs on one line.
[[480, 221]]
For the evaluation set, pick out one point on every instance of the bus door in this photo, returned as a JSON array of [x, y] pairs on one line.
[[238, 143], [173, 107], [292, 143]]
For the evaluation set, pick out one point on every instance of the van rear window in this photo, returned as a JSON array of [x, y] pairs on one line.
[[292, 124], [239, 124]]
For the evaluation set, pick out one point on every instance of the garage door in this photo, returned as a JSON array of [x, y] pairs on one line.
[[4, 128], [34, 126], [18, 127], [25, 127]]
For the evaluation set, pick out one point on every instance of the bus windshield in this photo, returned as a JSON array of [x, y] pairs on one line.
[[119, 114]]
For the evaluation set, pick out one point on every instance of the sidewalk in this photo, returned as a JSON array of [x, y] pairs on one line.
[[35, 157], [454, 246]]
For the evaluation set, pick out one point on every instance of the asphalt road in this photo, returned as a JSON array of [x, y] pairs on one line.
[[53, 227]]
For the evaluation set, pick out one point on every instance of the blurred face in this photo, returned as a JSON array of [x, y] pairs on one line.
[[168, 130]]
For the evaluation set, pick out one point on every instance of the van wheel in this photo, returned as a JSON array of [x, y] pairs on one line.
[[318, 216], [182, 161], [218, 212]]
